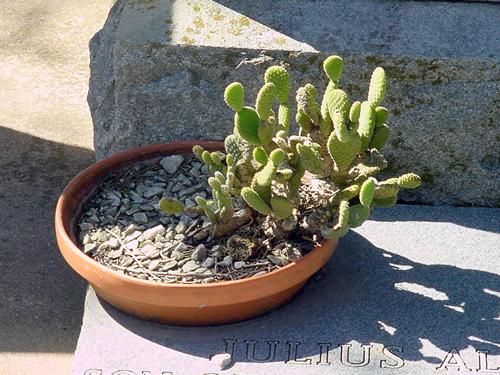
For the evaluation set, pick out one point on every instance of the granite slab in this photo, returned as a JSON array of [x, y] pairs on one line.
[[416, 290], [159, 69]]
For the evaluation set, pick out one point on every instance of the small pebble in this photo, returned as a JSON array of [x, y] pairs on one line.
[[127, 261], [190, 266], [171, 163], [169, 265], [153, 232], [148, 250], [238, 265], [132, 245], [140, 218], [222, 360], [208, 263], [113, 243], [85, 227], [226, 262], [89, 247], [199, 253], [115, 254], [183, 262], [154, 265], [155, 190], [130, 229]]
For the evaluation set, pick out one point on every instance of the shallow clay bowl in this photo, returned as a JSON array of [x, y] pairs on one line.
[[198, 304]]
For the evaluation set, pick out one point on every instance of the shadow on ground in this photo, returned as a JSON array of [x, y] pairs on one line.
[[485, 219], [364, 294], [41, 302]]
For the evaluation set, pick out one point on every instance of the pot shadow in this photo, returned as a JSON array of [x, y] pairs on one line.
[[364, 294]]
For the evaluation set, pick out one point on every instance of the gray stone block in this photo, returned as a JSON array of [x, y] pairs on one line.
[[159, 69], [413, 291]]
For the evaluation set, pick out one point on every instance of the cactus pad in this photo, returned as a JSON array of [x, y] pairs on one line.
[[253, 199], [234, 96], [247, 122], [409, 181], [343, 153], [333, 67], [378, 84], [278, 76], [264, 102]]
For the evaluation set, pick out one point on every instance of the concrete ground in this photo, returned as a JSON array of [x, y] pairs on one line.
[[45, 138]]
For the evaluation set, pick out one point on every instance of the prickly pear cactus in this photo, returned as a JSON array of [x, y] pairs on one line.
[[320, 182]]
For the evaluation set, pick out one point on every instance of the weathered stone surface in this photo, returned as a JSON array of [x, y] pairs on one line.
[[159, 70], [414, 291]]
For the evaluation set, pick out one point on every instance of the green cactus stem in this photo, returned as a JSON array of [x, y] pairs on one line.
[[234, 96], [342, 226], [367, 192], [355, 111], [282, 207], [380, 137], [358, 215], [343, 153], [170, 206], [260, 155], [264, 102], [366, 124], [198, 152], [278, 76], [386, 202], [333, 67], [253, 199], [284, 116], [409, 181], [247, 122], [381, 115], [222, 197], [310, 155], [378, 84], [213, 161], [207, 208]]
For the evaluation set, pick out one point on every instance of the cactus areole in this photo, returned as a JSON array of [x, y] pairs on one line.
[[269, 191]]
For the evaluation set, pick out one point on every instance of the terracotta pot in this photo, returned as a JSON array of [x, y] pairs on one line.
[[199, 304]]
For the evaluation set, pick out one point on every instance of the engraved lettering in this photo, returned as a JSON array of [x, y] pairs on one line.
[[293, 355], [92, 371], [324, 353], [345, 357], [396, 362], [482, 356], [229, 346], [163, 373], [454, 360], [251, 349]]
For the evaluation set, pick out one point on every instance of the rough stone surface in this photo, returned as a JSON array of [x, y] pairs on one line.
[[159, 72], [413, 291]]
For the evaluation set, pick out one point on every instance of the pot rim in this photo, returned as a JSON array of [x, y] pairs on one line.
[[129, 157]]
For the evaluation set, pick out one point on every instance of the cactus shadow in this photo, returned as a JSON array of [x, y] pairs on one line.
[[364, 295], [480, 218]]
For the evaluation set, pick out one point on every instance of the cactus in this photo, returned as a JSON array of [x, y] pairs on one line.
[[343, 153], [377, 88], [366, 124], [247, 122], [278, 76], [380, 137], [234, 96], [409, 181], [253, 199], [333, 67], [342, 226], [267, 172], [264, 102]]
